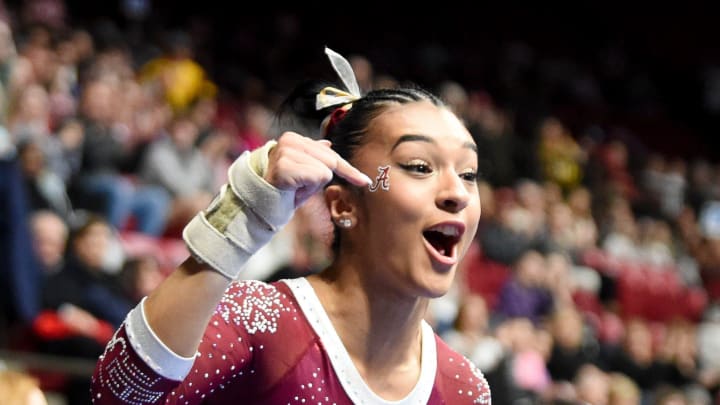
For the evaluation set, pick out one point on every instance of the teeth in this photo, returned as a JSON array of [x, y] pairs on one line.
[[447, 230]]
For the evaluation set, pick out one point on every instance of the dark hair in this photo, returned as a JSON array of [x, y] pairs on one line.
[[130, 274], [348, 133], [83, 222]]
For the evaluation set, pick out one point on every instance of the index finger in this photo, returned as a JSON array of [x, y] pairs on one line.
[[335, 162], [348, 172]]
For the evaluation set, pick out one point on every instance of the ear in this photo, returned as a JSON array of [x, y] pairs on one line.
[[341, 203]]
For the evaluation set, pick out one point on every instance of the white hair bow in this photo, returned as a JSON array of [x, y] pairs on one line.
[[330, 96]]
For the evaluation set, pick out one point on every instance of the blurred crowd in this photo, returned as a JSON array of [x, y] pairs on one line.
[[594, 277]]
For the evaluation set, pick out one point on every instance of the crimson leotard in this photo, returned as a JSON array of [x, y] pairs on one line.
[[267, 344]]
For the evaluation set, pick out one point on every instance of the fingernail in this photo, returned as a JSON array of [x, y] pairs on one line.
[[367, 179], [325, 142]]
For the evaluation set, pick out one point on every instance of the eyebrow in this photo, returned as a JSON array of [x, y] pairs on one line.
[[425, 138]]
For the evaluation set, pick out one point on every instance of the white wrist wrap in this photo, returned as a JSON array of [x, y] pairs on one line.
[[242, 218]]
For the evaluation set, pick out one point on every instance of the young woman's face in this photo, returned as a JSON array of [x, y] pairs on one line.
[[416, 231]]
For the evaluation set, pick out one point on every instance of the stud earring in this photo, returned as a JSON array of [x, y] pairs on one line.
[[345, 222]]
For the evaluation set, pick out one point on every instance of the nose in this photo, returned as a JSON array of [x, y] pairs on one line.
[[453, 195]]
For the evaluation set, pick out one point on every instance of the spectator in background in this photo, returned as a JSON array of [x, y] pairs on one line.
[[71, 51], [105, 156], [709, 347], [181, 169], [216, 147], [637, 357], [668, 395], [522, 374], [532, 205], [614, 173], [30, 121], [50, 236], [622, 234], [8, 57], [30, 113], [19, 388], [696, 394], [363, 69], [50, 13], [147, 116], [655, 243], [384, 81], [254, 129], [592, 385], [456, 98], [139, 277], [310, 231], [572, 347], [553, 193], [64, 329], [679, 350], [180, 78], [584, 228], [560, 226], [471, 337], [666, 183], [559, 154], [203, 113], [623, 390], [82, 282], [559, 278], [500, 152], [702, 186], [36, 50], [520, 224], [707, 249], [44, 188], [524, 294]]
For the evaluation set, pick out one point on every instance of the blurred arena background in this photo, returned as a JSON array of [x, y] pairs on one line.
[[596, 273]]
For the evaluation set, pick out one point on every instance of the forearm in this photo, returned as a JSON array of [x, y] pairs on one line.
[[178, 311], [221, 239]]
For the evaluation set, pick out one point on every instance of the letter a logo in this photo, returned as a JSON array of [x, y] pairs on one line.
[[382, 179]]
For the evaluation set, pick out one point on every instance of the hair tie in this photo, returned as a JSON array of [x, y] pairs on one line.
[[332, 120], [332, 96]]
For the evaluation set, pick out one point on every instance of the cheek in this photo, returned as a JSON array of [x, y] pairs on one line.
[[475, 206], [473, 212], [402, 203], [394, 215]]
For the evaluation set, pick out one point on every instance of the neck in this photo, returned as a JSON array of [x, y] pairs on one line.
[[379, 327]]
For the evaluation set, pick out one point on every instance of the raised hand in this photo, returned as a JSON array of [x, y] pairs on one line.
[[306, 165]]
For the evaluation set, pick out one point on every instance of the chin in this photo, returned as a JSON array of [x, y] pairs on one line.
[[437, 285], [435, 294]]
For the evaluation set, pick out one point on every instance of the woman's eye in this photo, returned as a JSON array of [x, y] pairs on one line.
[[417, 168], [470, 176]]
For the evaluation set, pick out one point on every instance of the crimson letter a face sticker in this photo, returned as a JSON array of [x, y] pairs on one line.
[[382, 180]]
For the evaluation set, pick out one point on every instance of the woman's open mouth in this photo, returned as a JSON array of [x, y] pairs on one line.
[[442, 240]]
